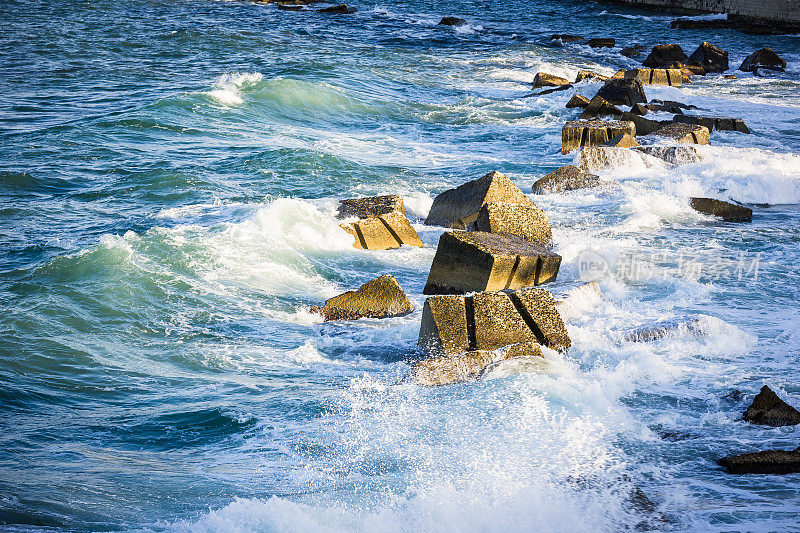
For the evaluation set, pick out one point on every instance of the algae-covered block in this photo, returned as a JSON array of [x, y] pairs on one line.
[[579, 133], [526, 221]]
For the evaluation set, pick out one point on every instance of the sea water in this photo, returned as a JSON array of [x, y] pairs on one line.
[[169, 175]]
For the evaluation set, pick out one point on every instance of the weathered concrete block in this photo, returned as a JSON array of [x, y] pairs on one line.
[[437, 371], [727, 211], [579, 133], [665, 56], [766, 59], [596, 158], [379, 298], [766, 462], [622, 141], [685, 133], [623, 91], [675, 155], [566, 178], [656, 76], [577, 101], [600, 107], [711, 58], [543, 79], [453, 325], [644, 126], [714, 123], [526, 221], [457, 208], [370, 206], [480, 261], [383, 232], [589, 75], [768, 409]]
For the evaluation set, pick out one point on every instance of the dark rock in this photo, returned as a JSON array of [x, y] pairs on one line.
[[684, 133], [553, 90], [454, 324], [600, 107], [633, 51], [623, 91], [694, 69], [452, 21], [693, 24], [479, 261], [727, 211], [526, 221], [290, 7], [714, 123], [341, 9], [577, 101], [640, 109], [543, 79], [763, 59], [734, 396], [657, 76], [379, 298], [456, 208], [669, 106], [602, 42], [711, 58], [566, 38], [579, 133], [666, 56], [370, 206], [644, 126], [766, 462], [566, 178], [768, 409]]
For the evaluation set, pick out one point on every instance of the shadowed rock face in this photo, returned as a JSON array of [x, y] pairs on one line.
[[665, 56], [579, 133], [711, 58], [768, 409], [479, 261], [622, 141], [644, 126], [526, 221], [439, 371], [341, 9], [766, 462], [543, 79], [623, 91], [599, 107], [632, 51], [685, 133], [602, 42], [566, 178], [452, 21], [714, 123], [577, 101], [453, 325], [589, 75], [727, 211], [456, 208], [371, 206], [765, 58], [656, 76], [379, 298]]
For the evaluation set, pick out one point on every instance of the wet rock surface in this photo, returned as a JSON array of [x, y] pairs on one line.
[[623, 91], [714, 123], [452, 21], [725, 210], [768, 409], [666, 56], [379, 298], [579, 133], [577, 101], [684, 133], [766, 59], [383, 232], [711, 58], [765, 462], [370, 206], [566, 178]]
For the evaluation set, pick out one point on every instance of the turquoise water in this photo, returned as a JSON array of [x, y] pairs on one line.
[[168, 179]]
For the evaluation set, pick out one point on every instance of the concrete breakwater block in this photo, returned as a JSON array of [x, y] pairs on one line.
[[725, 210], [685, 133], [597, 158], [714, 123], [383, 232], [765, 462], [543, 79], [526, 221], [600, 107], [623, 91], [456, 208], [479, 261], [657, 76], [566, 178], [579, 133], [370, 206], [589, 75], [379, 298], [622, 141], [453, 324], [644, 126], [447, 370], [768, 409], [577, 101], [666, 56], [674, 155]]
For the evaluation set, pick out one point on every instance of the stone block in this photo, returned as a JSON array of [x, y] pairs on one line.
[[623, 91], [656, 76], [526, 221], [577, 101], [765, 462], [685, 133], [644, 126], [589, 75], [622, 141], [479, 261], [379, 298], [711, 58], [543, 79], [665, 56], [383, 232], [438, 371], [768, 409], [727, 211], [714, 123], [566, 178], [579, 133], [599, 107], [370, 206]]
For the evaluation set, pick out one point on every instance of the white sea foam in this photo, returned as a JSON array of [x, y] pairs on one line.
[[228, 88]]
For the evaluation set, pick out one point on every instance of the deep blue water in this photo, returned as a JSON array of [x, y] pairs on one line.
[[169, 172]]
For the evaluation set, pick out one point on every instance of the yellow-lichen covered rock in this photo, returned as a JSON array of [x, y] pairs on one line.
[[379, 298]]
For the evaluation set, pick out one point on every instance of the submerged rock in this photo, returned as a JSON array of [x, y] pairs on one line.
[[456, 208], [370, 206], [543, 79], [660, 330], [656, 76], [579, 133], [526, 221], [447, 370], [566, 178], [768, 409], [714, 123], [383, 232], [623, 91], [666, 56], [452, 21], [765, 58], [633, 51], [711, 58], [566, 38], [600, 107], [379, 298], [341, 9], [602, 42], [725, 210], [670, 106], [577, 101], [453, 325], [685, 133], [479, 261], [766, 462]]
